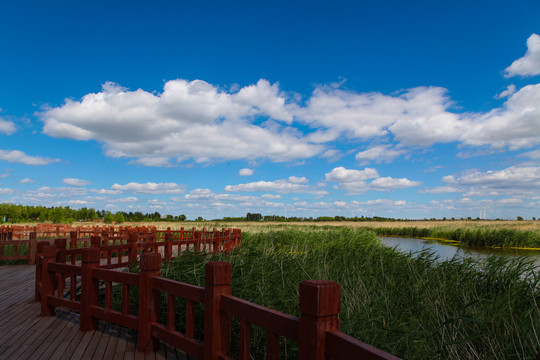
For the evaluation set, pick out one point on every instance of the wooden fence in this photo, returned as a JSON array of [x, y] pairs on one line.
[[77, 287], [124, 239], [48, 231]]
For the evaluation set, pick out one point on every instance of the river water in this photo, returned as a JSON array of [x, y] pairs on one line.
[[447, 251]]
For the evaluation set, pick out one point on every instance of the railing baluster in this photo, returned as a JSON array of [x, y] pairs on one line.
[[125, 298], [170, 312], [272, 346], [245, 340], [190, 319], [108, 295]]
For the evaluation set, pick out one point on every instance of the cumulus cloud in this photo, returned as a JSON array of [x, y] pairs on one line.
[[7, 127], [195, 120], [271, 196], [388, 183], [189, 119], [535, 154], [16, 156], [510, 90], [76, 182], [245, 172], [150, 188], [516, 125], [354, 181], [284, 186], [342, 175], [515, 179], [529, 64], [441, 190], [416, 116], [379, 153], [26, 181]]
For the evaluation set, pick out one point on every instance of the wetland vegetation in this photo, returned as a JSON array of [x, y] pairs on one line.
[[414, 307]]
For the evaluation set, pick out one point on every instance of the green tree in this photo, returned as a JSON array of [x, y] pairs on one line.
[[108, 218], [119, 218]]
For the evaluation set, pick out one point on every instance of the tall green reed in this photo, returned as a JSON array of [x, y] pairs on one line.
[[414, 307]]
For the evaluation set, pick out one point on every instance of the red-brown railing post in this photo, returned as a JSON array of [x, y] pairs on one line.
[[47, 280], [168, 244], [73, 239], [148, 300], [132, 242], [320, 302], [32, 247], [95, 241], [89, 287], [39, 266], [61, 245], [216, 239], [217, 325]]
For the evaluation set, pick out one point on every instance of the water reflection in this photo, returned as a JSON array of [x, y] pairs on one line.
[[447, 251]]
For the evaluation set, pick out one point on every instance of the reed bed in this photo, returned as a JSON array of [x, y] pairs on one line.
[[416, 307]]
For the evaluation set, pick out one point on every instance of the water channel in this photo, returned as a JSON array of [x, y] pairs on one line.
[[446, 251]]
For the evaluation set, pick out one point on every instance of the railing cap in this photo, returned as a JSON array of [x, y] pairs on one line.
[[218, 273], [49, 251], [150, 261], [90, 255], [320, 297]]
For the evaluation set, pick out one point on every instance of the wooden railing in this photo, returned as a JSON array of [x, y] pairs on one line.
[[124, 239], [316, 331]]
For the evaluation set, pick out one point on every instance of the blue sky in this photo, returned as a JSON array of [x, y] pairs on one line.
[[400, 109]]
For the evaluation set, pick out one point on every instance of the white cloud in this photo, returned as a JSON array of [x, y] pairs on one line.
[[271, 196], [16, 156], [415, 116], [516, 125], [75, 182], [379, 153], [26, 181], [77, 202], [354, 181], [284, 186], [245, 172], [514, 179], [529, 64], [187, 120], [199, 194], [510, 90], [150, 188], [127, 199], [441, 190], [342, 175], [535, 154], [510, 201], [388, 183], [266, 98], [106, 191], [7, 127]]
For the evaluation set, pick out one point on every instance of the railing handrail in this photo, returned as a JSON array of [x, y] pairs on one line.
[[146, 238], [317, 330]]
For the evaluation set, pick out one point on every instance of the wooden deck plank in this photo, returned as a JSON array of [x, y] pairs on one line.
[[24, 334]]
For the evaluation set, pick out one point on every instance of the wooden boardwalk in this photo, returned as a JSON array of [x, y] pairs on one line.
[[24, 334]]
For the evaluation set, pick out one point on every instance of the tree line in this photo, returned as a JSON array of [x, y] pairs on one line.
[[65, 215]]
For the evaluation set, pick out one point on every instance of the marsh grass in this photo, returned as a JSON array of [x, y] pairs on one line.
[[414, 307], [9, 250]]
